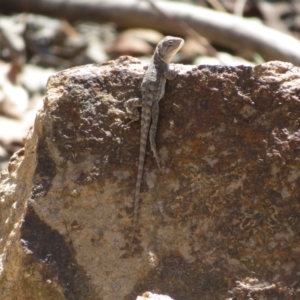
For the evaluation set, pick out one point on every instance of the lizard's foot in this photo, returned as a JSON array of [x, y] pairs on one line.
[[115, 112], [133, 119]]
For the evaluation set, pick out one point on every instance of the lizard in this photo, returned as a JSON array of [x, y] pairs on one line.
[[153, 89]]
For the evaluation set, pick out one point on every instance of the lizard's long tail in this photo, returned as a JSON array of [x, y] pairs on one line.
[[145, 124]]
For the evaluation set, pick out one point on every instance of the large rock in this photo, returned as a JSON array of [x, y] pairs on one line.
[[220, 221]]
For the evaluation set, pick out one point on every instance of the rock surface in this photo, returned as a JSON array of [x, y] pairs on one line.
[[220, 222]]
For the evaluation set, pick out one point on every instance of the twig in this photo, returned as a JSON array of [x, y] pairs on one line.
[[217, 5], [239, 7]]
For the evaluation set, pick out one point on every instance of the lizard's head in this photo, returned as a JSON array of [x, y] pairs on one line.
[[168, 47]]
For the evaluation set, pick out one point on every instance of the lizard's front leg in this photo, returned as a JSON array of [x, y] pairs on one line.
[[171, 73], [131, 109]]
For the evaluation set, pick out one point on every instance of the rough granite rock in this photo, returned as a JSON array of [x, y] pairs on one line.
[[220, 222]]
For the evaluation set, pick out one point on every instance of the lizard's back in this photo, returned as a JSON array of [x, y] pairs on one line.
[[153, 84]]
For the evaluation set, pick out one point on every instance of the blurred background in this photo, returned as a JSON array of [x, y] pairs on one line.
[[39, 38]]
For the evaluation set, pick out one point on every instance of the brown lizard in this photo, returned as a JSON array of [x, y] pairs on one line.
[[153, 89]]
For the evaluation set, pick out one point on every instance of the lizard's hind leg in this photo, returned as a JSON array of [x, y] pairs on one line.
[[131, 108]]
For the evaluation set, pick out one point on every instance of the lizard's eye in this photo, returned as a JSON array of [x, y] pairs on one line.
[[171, 43]]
